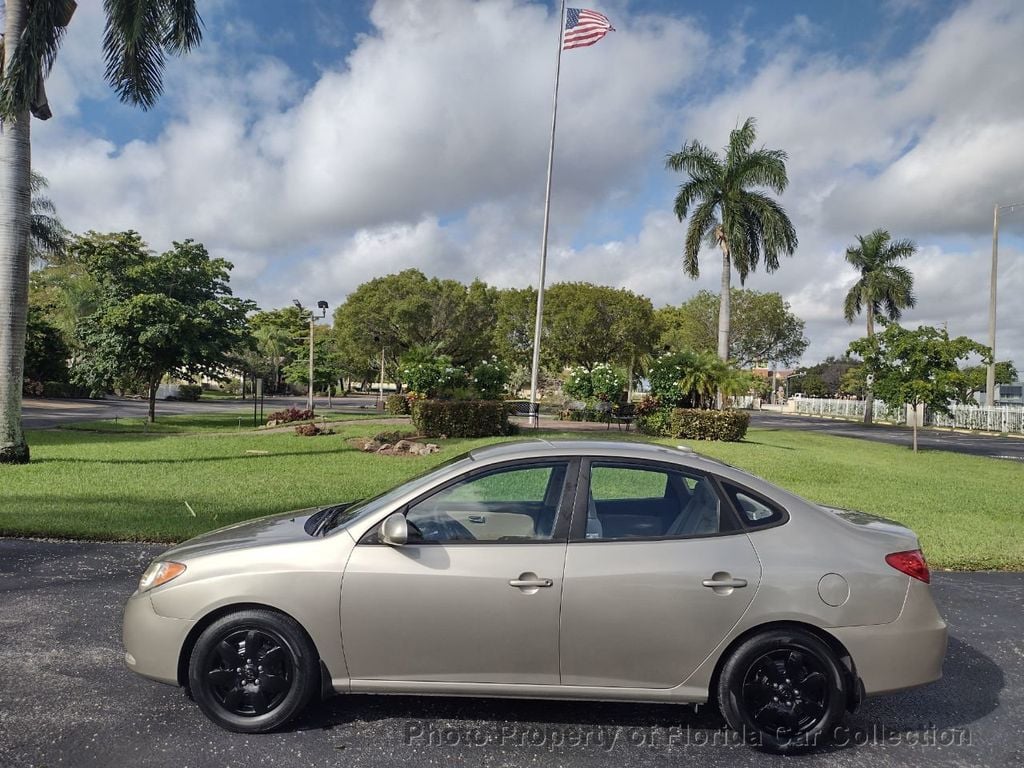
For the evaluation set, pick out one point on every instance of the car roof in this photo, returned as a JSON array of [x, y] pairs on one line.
[[613, 448]]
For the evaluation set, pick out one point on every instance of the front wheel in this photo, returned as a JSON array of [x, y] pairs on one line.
[[784, 690], [253, 670]]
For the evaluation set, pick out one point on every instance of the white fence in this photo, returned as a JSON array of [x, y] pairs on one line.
[[999, 419], [843, 409]]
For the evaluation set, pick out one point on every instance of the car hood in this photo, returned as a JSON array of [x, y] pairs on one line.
[[261, 532]]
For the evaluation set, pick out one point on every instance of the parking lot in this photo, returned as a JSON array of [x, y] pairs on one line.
[[67, 699]]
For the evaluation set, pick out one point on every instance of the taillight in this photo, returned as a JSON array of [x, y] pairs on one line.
[[912, 563]]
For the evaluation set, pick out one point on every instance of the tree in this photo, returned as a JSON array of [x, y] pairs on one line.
[[764, 330], [399, 312], [916, 367], [972, 378], [136, 41], [275, 335], [587, 324], [157, 315], [884, 287], [515, 315], [328, 364], [726, 208], [48, 237], [46, 354]]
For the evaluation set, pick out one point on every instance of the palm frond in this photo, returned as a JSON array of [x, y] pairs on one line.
[[137, 37], [740, 141], [34, 55], [696, 160], [852, 304], [761, 168], [701, 224]]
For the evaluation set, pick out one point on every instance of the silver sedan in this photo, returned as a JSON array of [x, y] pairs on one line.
[[560, 570]]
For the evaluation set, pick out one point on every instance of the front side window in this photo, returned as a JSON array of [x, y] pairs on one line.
[[510, 504], [629, 502]]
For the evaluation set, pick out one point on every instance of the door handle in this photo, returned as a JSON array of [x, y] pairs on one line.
[[530, 583], [724, 583]]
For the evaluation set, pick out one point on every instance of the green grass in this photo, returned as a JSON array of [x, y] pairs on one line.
[[132, 485]]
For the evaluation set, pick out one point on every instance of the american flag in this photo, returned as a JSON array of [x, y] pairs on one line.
[[584, 27]]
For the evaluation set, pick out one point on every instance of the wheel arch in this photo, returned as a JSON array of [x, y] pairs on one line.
[[200, 626], [855, 688]]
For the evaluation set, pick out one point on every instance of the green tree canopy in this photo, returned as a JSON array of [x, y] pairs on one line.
[[402, 311], [764, 328], [156, 315], [920, 367]]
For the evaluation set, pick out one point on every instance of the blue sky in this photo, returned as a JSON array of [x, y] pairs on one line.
[[317, 144]]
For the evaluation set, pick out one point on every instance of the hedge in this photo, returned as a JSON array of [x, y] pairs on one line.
[[397, 405], [694, 424], [462, 418]]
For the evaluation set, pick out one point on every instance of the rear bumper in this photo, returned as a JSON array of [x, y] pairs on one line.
[[152, 643], [902, 654]]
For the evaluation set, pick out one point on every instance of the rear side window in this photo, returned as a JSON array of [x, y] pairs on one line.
[[755, 511]]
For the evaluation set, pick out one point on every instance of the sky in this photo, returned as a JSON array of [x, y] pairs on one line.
[[316, 145]]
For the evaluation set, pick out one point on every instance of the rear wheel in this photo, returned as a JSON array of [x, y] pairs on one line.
[[784, 690], [253, 670]]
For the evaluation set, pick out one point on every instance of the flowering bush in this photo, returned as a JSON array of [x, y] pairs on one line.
[[490, 379], [578, 384], [606, 383], [438, 378]]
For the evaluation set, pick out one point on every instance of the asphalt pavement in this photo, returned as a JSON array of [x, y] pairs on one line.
[[973, 443], [66, 697], [38, 413]]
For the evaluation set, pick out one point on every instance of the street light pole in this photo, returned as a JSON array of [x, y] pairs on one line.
[[322, 306], [990, 375]]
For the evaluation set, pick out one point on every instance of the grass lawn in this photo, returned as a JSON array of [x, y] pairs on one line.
[[127, 484]]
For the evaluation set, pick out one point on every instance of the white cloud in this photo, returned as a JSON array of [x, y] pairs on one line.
[[427, 146]]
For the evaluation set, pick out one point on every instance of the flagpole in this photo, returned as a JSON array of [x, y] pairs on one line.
[[538, 326]]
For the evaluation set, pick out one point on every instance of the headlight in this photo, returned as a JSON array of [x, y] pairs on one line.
[[160, 573]]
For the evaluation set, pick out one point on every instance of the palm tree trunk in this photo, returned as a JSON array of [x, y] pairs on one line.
[[869, 396], [15, 210]]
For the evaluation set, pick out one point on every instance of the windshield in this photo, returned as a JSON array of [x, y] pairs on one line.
[[369, 506]]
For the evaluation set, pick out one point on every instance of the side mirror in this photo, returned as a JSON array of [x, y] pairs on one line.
[[394, 530]]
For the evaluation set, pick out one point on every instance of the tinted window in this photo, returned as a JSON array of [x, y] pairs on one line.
[[513, 504], [754, 510], [628, 502]]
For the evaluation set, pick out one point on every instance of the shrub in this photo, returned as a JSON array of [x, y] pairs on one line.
[[578, 384], [394, 436], [656, 423], [693, 424], [462, 418], [490, 379], [311, 430], [438, 378], [397, 405], [190, 393], [289, 415], [606, 383]]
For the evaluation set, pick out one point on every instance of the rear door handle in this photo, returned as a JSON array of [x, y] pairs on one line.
[[724, 583], [530, 583]]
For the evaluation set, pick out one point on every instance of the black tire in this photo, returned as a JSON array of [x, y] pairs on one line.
[[253, 670], [783, 690]]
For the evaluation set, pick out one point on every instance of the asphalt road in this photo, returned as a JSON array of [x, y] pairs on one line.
[[67, 699], [927, 439], [37, 413]]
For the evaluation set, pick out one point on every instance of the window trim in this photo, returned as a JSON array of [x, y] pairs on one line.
[[559, 533], [577, 527], [745, 523]]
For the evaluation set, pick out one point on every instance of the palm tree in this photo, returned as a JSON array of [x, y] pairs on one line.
[[48, 237], [730, 212], [884, 288], [137, 39]]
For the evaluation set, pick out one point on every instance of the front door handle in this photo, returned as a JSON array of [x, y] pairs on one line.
[[530, 583]]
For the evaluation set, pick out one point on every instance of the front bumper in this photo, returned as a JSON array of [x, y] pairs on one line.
[[902, 654], [152, 643]]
